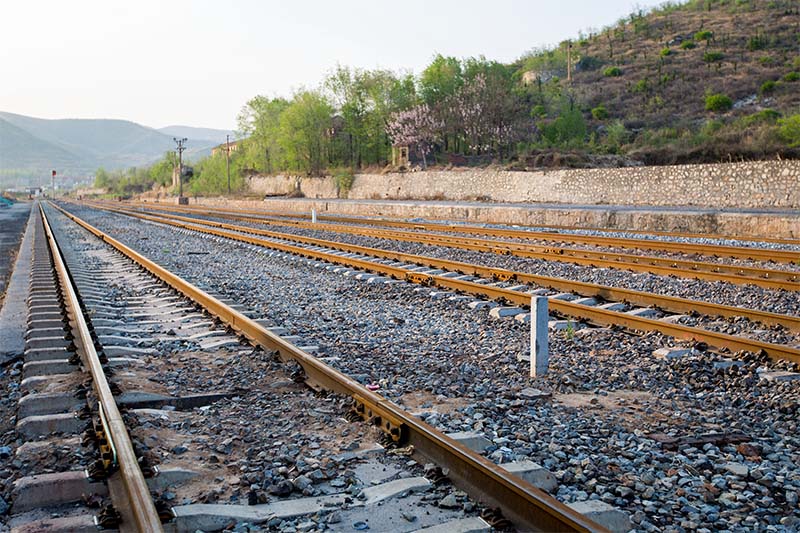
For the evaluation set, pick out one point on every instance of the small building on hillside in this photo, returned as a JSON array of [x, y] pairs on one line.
[[233, 146]]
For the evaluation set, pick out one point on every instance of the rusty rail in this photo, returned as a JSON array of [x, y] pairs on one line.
[[529, 508], [741, 275], [141, 506], [581, 312], [760, 254]]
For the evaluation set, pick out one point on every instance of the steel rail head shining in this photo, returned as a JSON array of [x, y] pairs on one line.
[[142, 508]]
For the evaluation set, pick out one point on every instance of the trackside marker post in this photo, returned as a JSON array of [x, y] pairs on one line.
[[540, 355], [313, 216]]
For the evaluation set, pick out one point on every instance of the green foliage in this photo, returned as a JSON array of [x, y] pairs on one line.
[[211, 175], [767, 87], [101, 179], [440, 79], [568, 130], [641, 86], [344, 178], [718, 103], [766, 60], [688, 45], [600, 112], [587, 63], [665, 52], [791, 76], [789, 130], [703, 35], [612, 72], [303, 132], [757, 42], [617, 136], [711, 57], [763, 116], [538, 111]]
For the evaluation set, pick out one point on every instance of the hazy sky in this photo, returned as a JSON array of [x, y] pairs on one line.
[[197, 62]]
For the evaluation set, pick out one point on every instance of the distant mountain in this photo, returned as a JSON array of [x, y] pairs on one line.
[[31, 147], [204, 134]]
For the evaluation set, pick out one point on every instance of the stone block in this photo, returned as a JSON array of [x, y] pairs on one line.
[[459, 525], [45, 368], [502, 312], [671, 353], [43, 490], [473, 440], [533, 473], [39, 426], [606, 515], [47, 403]]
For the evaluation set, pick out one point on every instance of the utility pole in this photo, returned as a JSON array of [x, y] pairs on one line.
[[228, 160], [181, 148], [53, 184], [569, 61]]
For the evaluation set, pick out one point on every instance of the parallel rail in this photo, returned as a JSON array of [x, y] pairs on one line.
[[663, 302], [759, 254], [529, 508], [589, 314], [141, 506], [741, 275]]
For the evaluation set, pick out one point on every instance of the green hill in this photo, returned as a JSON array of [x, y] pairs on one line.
[[657, 72]]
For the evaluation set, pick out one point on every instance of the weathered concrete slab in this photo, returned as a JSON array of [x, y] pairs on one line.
[[564, 296], [671, 353], [38, 426], [779, 376], [47, 403], [46, 354], [473, 440], [212, 517], [613, 306], [44, 490], [459, 525], [44, 368], [644, 312], [604, 514], [533, 473], [502, 312], [482, 304], [81, 523]]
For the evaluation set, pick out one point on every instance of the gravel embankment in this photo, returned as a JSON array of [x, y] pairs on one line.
[[459, 368]]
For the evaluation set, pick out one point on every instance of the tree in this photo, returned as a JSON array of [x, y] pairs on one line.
[[259, 121], [418, 128], [440, 79], [101, 179], [304, 130]]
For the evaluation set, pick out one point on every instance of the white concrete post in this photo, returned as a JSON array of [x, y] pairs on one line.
[[313, 216], [540, 355]]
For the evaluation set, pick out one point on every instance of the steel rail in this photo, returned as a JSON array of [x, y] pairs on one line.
[[142, 508], [760, 254], [589, 314], [663, 302], [529, 508], [767, 278]]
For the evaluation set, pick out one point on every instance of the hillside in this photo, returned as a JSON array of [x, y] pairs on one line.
[[30, 147], [654, 70]]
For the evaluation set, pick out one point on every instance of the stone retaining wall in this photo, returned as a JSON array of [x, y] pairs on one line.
[[734, 185]]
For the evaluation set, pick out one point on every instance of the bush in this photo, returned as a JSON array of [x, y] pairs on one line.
[[792, 76], [641, 86], [612, 72], [718, 103], [765, 115], [756, 43], [688, 45], [789, 130], [711, 57], [767, 87], [588, 63], [600, 112], [703, 35], [665, 52], [538, 111]]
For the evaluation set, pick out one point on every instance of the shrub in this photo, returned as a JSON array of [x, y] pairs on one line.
[[703, 35], [718, 103], [765, 115], [665, 52], [767, 87], [766, 60], [792, 76], [612, 72], [711, 57], [796, 62], [589, 63], [789, 130], [688, 45], [641, 86], [538, 111], [600, 112], [344, 178], [756, 43]]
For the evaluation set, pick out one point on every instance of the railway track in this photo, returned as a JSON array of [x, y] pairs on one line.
[[741, 275], [525, 506], [408, 269], [758, 254]]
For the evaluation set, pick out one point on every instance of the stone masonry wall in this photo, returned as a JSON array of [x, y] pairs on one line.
[[734, 185]]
